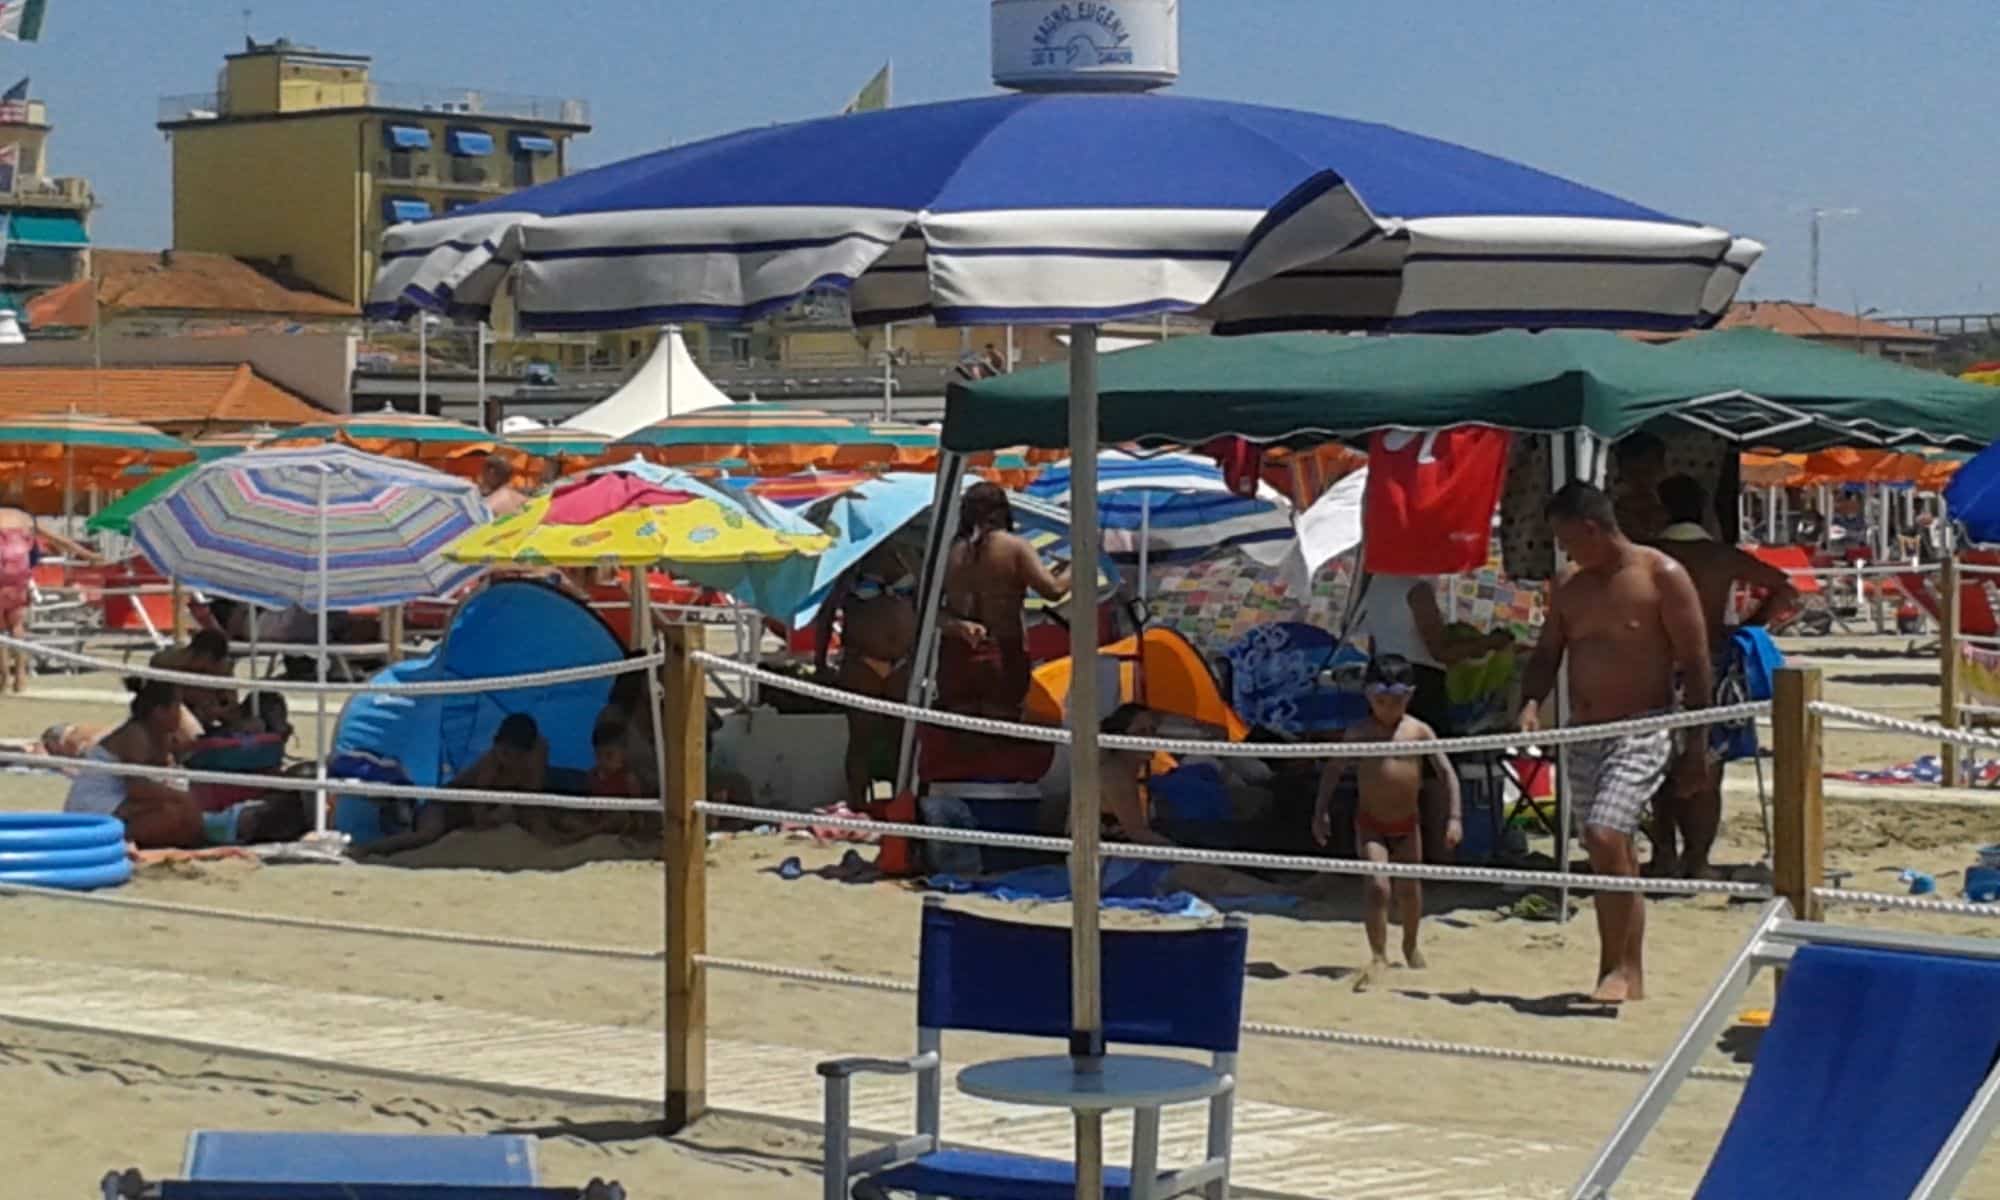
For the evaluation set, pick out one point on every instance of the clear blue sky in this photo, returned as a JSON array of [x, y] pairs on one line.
[[1740, 114]]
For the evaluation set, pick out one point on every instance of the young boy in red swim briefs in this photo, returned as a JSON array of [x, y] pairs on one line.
[[1388, 824]]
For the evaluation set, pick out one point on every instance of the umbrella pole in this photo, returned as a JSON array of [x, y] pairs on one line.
[[256, 697], [319, 665], [1086, 1039], [1145, 540]]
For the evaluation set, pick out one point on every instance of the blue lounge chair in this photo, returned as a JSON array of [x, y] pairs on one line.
[[1180, 990], [341, 1166], [1875, 1080]]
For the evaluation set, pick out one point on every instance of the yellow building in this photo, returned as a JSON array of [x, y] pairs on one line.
[[43, 218], [300, 159]]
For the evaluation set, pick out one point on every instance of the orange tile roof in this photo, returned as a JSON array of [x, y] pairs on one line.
[[166, 396], [180, 281], [1805, 321]]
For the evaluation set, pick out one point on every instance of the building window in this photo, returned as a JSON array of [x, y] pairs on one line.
[[402, 164], [469, 171], [527, 147], [524, 172]]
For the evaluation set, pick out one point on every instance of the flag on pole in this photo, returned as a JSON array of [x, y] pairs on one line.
[[21, 20], [14, 104], [10, 161], [873, 95]]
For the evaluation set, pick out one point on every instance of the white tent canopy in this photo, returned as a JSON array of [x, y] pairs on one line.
[[667, 385]]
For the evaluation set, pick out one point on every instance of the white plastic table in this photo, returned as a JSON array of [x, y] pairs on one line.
[[1143, 1083]]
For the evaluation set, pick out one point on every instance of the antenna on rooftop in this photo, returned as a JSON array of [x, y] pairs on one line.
[[1818, 215]]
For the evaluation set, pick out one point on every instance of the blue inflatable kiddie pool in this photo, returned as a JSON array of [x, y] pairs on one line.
[[77, 851]]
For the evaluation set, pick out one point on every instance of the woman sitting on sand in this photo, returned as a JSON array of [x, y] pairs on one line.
[[157, 815]]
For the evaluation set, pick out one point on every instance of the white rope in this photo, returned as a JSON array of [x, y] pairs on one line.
[[388, 931], [344, 787], [1337, 1037], [1923, 729], [1053, 735], [459, 687], [1956, 908], [1266, 862], [1836, 574]]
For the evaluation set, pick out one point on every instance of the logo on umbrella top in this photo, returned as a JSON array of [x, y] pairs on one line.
[[1088, 33]]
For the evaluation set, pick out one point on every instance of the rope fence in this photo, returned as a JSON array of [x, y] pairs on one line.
[[344, 787], [447, 687], [1335, 1037], [1202, 748], [1924, 904], [1927, 730], [1187, 856], [483, 941]]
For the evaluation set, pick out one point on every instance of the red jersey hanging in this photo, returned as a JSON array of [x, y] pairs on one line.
[[1428, 507]]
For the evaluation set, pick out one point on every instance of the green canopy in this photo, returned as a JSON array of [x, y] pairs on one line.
[[1754, 387], [116, 517]]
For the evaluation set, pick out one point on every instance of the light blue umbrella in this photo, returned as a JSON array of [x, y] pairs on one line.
[[1071, 208]]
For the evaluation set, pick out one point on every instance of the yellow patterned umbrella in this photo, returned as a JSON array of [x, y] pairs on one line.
[[625, 518]]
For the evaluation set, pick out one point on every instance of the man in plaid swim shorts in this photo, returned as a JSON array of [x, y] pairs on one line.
[[1627, 621]]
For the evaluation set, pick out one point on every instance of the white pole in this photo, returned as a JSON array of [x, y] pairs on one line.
[[670, 333], [1008, 366], [423, 361], [319, 701], [888, 372], [489, 426], [1562, 471], [1086, 1039], [1145, 536], [256, 697]]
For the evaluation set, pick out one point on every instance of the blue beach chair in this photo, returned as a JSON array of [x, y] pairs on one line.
[[1181, 990], [343, 1166], [1876, 1079]]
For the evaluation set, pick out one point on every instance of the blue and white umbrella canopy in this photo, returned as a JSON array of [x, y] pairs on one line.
[[1179, 505], [250, 528], [1068, 208]]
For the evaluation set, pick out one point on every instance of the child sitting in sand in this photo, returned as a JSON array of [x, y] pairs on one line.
[[518, 761], [1388, 823]]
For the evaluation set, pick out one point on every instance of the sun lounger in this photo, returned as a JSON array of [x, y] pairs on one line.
[[1182, 990], [337, 1166], [1876, 1078]]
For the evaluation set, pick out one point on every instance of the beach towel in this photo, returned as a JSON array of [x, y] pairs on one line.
[[1747, 671], [1927, 770], [1126, 884]]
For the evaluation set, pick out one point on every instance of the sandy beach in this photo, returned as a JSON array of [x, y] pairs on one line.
[[88, 1103]]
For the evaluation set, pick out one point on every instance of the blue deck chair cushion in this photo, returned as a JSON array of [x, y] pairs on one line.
[[972, 1175], [346, 1158], [1871, 1060], [1182, 988], [223, 1190]]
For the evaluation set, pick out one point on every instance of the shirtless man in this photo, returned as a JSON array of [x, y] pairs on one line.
[[1627, 618], [496, 484], [983, 661], [1716, 568], [1388, 821]]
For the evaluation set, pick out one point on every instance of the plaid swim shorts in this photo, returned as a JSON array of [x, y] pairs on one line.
[[1615, 779]]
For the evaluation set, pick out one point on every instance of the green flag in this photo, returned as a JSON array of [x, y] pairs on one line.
[[874, 95], [21, 20]]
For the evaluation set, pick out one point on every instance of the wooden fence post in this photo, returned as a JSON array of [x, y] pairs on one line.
[[684, 726], [1799, 834], [1949, 620], [393, 628], [178, 618]]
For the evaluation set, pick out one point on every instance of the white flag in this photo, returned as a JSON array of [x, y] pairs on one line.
[[21, 20]]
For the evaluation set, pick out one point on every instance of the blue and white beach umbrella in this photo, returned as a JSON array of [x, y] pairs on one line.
[[1076, 208], [1066, 208], [1175, 508]]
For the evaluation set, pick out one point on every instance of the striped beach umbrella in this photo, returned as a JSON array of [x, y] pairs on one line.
[[772, 438], [320, 527], [566, 450]]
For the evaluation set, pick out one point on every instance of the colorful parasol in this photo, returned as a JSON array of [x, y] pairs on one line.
[[643, 515], [253, 527], [560, 445], [772, 438]]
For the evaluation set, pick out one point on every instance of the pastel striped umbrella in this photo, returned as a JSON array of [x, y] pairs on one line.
[[322, 527], [772, 438]]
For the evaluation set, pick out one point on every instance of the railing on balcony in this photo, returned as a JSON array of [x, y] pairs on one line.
[[564, 110]]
